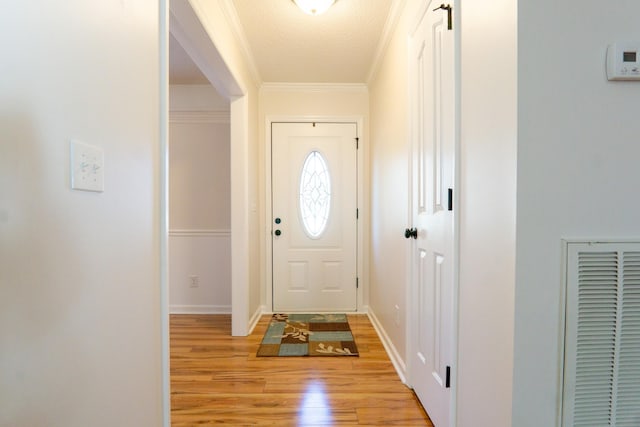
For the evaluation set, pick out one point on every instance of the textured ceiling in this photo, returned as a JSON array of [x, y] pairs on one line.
[[287, 46], [290, 46]]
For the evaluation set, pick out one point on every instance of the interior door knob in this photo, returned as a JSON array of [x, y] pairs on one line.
[[278, 232], [411, 232]]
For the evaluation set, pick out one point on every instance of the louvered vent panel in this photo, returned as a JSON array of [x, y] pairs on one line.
[[602, 336], [627, 403], [597, 300]]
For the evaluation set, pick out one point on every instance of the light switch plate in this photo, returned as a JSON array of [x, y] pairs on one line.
[[87, 167]]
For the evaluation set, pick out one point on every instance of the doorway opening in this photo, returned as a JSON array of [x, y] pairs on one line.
[[185, 26]]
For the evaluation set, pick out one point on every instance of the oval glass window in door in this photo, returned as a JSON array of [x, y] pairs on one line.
[[315, 194]]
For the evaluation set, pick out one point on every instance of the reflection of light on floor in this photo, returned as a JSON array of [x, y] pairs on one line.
[[314, 407]]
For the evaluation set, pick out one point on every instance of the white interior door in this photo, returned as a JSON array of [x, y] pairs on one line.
[[314, 217], [433, 157]]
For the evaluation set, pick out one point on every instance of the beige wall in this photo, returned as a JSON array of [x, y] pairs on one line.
[[196, 97], [389, 185], [199, 201], [313, 100], [80, 326], [199, 184]]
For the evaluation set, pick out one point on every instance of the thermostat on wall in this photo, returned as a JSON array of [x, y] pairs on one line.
[[623, 61]]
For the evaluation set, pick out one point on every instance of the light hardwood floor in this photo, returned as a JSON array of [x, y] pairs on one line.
[[217, 379]]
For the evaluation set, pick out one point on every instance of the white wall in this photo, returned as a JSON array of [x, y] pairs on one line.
[[199, 201], [577, 171], [487, 212], [389, 185], [80, 326], [281, 100]]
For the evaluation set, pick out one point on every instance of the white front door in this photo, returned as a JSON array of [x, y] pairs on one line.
[[432, 275], [314, 217]]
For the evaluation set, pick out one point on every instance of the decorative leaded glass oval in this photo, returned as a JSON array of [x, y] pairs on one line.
[[315, 194]]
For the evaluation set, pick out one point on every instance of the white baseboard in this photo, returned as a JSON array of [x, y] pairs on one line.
[[255, 318], [200, 309], [398, 363]]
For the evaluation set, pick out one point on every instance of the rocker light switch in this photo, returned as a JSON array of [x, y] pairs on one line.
[[87, 167]]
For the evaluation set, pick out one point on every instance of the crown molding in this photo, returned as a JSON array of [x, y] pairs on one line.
[[314, 87], [231, 15], [221, 117], [397, 6]]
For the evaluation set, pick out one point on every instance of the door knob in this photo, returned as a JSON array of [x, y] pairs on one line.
[[411, 232], [278, 232]]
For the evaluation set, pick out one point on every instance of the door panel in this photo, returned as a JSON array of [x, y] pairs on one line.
[[314, 272], [433, 121]]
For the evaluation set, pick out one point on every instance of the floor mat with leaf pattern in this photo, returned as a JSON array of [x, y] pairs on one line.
[[308, 335]]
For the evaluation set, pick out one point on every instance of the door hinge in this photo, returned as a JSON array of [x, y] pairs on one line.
[[447, 381], [450, 199], [448, 9], [357, 282], [357, 213], [357, 143]]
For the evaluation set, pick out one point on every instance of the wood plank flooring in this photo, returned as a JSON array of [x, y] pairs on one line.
[[217, 379]]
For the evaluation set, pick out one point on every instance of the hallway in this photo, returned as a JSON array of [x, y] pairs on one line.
[[217, 379]]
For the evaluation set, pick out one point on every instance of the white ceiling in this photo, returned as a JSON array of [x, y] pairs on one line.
[[288, 46]]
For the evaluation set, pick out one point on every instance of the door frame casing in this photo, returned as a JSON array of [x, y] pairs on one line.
[[362, 194], [411, 330]]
